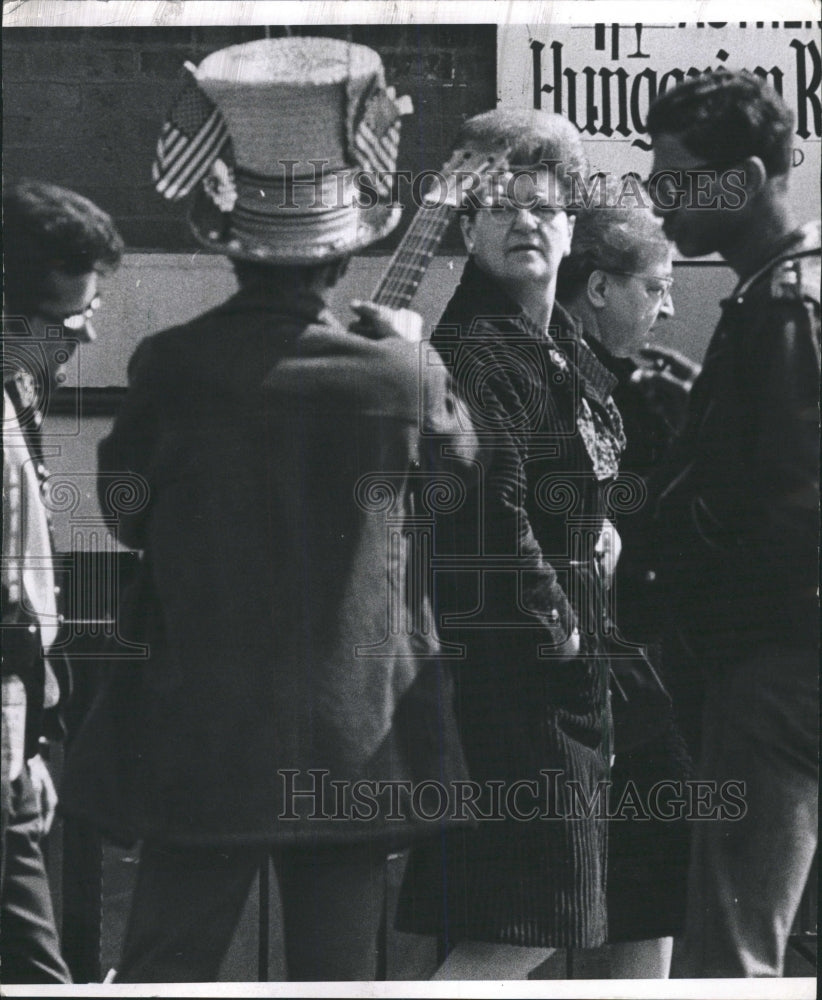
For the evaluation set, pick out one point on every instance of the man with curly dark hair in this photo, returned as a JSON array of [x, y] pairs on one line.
[[55, 245], [740, 515]]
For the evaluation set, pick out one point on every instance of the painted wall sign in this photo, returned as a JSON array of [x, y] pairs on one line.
[[605, 76]]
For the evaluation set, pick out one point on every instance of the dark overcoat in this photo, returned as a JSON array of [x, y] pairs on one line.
[[535, 727], [281, 596]]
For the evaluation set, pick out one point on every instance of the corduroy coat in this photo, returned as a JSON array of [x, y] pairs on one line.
[[535, 728], [290, 639]]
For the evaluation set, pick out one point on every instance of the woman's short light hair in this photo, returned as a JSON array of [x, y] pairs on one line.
[[534, 139]]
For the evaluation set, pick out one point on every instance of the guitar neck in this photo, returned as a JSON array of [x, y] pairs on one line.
[[407, 267]]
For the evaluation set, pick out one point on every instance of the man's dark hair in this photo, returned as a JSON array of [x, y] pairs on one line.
[[727, 117], [49, 228], [305, 277]]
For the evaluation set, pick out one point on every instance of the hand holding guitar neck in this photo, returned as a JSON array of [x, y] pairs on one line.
[[377, 321]]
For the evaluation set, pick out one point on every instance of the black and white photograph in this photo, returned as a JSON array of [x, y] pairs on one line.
[[411, 444]]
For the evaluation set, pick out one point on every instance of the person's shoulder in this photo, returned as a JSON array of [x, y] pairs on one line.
[[212, 331], [778, 315], [218, 320], [794, 275], [153, 344], [341, 369], [328, 342], [798, 277], [150, 356]]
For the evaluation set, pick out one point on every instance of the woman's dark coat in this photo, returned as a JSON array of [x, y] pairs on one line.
[[525, 543]]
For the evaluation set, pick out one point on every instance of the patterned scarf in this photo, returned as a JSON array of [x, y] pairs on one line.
[[604, 440], [600, 426]]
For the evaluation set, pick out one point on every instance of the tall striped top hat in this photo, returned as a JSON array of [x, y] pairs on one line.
[[276, 136]]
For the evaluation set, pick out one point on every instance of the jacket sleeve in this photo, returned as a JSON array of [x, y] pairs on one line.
[[124, 456], [504, 530], [21, 645], [447, 434], [782, 520], [766, 527]]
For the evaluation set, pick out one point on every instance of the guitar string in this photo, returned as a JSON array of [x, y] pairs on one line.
[[410, 260], [402, 278], [416, 252], [404, 275]]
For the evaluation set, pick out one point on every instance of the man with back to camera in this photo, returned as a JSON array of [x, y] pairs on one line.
[[56, 243], [739, 514], [278, 448]]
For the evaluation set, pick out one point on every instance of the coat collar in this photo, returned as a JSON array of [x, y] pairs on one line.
[[804, 240], [479, 295], [299, 304]]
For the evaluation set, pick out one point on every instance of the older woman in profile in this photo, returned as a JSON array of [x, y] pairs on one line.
[[617, 282]]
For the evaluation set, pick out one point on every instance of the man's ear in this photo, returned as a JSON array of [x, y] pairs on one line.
[[467, 229], [597, 288], [756, 175]]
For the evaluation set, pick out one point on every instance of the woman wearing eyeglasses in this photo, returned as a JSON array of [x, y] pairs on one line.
[[518, 604], [617, 281]]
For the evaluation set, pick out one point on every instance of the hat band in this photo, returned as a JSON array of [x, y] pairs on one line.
[[296, 212]]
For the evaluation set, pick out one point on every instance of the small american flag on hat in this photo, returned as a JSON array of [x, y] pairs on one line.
[[192, 138], [377, 136]]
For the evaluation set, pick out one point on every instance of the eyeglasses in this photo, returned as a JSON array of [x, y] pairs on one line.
[[655, 284], [544, 211], [75, 321]]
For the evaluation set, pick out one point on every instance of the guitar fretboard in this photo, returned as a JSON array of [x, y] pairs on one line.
[[407, 267], [410, 261]]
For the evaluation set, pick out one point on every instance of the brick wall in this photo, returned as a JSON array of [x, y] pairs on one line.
[[83, 106]]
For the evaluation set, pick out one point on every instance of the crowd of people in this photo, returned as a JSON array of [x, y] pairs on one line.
[[392, 593]]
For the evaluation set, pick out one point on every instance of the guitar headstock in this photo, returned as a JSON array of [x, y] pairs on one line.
[[463, 173]]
